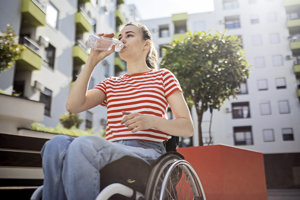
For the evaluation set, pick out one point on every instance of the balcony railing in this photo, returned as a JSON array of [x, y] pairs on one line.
[[31, 44], [30, 58], [289, 3]]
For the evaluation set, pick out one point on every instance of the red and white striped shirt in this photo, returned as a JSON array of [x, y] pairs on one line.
[[144, 93]]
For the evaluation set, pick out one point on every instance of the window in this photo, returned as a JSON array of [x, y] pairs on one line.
[[50, 56], [240, 110], [52, 14], [287, 134], [89, 120], [243, 88], [265, 108], [284, 107], [180, 27], [280, 83], [277, 60], [259, 61], [230, 4], [46, 98], [262, 84], [243, 135], [268, 135], [94, 25], [257, 40], [161, 50], [164, 31], [254, 19], [232, 22], [274, 38]]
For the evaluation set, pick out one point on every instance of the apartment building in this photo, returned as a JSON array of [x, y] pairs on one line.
[[265, 115], [54, 34]]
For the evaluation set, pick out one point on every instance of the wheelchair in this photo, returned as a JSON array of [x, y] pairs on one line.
[[169, 178]]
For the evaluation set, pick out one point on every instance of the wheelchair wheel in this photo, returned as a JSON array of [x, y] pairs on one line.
[[173, 178]]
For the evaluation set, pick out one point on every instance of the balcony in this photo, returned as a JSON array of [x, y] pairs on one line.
[[294, 23], [80, 54], [297, 70], [180, 17], [17, 112], [290, 3], [82, 23], [295, 47], [33, 13], [30, 58], [83, 1]]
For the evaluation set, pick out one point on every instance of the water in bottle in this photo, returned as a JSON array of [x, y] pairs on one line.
[[104, 43]]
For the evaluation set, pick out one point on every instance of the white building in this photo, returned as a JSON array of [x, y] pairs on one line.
[[265, 116], [54, 33]]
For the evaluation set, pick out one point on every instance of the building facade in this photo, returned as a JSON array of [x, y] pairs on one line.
[[54, 34], [265, 115]]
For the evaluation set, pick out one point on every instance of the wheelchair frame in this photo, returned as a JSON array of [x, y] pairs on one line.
[[165, 181]]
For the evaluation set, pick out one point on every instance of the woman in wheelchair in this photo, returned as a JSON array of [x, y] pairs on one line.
[[136, 124]]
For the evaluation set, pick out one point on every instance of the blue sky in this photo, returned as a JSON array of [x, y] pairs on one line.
[[164, 8]]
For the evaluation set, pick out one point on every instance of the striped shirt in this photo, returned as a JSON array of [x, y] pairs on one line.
[[144, 93]]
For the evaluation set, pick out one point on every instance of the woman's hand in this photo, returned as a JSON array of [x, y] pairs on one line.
[[96, 55], [137, 122]]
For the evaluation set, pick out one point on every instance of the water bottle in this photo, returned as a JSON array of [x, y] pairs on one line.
[[104, 43]]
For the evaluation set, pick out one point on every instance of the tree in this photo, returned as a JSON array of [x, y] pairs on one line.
[[70, 120], [209, 67], [10, 50]]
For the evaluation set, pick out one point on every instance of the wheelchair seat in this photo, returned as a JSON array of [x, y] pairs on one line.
[[129, 171]]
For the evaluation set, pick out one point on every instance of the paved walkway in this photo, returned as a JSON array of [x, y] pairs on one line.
[[286, 194]]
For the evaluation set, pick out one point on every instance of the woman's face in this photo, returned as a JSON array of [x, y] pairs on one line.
[[134, 44]]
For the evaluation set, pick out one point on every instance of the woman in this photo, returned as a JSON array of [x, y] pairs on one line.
[[136, 124]]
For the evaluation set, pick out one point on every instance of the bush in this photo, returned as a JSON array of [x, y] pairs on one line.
[[70, 120], [61, 130], [10, 50]]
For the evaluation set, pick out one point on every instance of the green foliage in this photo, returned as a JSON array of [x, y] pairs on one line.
[[61, 130], [70, 120], [119, 2], [209, 67], [10, 50]]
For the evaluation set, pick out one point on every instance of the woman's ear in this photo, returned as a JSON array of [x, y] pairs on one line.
[[147, 44]]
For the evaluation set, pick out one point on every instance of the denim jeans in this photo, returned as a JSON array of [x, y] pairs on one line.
[[71, 166]]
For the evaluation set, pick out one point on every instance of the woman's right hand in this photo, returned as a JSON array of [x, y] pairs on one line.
[[97, 55]]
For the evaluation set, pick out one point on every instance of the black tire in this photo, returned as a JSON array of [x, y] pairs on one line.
[[173, 178]]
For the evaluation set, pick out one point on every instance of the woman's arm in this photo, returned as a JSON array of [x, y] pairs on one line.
[[80, 98], [182, 125]]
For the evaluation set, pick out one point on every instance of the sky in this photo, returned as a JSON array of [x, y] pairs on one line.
[[150, 9]]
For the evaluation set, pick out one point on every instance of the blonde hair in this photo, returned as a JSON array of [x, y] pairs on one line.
[[151, 58]]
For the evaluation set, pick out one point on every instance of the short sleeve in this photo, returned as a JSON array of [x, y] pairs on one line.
[[102, 87], [171, 84]]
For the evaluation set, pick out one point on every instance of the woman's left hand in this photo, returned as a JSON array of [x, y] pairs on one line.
[[137, 121]]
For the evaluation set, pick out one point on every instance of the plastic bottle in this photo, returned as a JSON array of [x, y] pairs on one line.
[[104, 43]]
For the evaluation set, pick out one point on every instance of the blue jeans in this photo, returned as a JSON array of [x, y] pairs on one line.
[[71, 166]]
